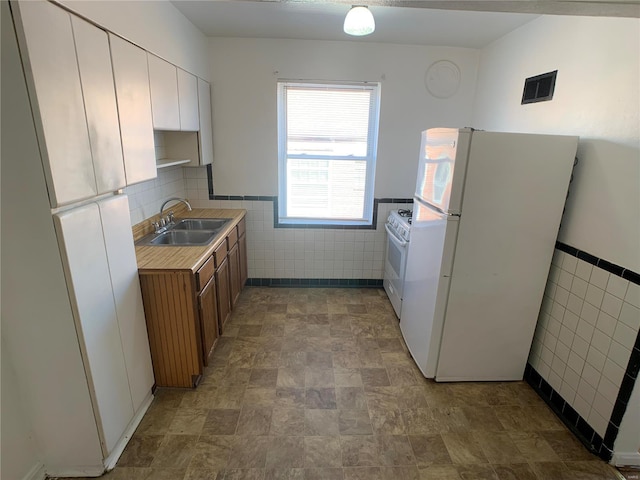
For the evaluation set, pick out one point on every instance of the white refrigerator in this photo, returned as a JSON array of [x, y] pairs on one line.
[[486, 213]]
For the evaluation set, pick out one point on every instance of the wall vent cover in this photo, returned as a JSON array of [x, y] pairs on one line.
[[539, 88]]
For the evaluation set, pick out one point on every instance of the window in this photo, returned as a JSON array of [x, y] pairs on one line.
[[327, 140]]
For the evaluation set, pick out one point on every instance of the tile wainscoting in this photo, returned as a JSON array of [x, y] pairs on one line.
[[586, 350], [308, 253], [330, 256]]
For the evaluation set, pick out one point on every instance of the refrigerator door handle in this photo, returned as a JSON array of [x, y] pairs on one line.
[[436, 209]]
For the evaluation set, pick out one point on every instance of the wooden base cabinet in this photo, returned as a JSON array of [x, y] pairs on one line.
[[186, 312], [242, 253], [170, 306], [224, 293], [208, 310], [234, 274]]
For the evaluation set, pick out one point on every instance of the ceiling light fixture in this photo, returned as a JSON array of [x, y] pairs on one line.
[[359, 21]]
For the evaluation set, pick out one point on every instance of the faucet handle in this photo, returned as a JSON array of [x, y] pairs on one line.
[[156, 226], [170, 216]]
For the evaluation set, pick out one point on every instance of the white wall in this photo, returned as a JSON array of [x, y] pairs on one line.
[[20, 455], [596, 97], [155, 25], [627, 446], [244, 74]]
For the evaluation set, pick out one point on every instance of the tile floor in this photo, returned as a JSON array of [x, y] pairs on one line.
[[317, 384]]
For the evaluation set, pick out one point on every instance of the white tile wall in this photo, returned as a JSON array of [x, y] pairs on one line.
[[307, 253], [146, 198], [272, 252], [587, 327]]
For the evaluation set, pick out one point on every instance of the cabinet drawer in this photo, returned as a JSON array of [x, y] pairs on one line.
[[205, 272], [241, 228], [220, 254], [232, 238]]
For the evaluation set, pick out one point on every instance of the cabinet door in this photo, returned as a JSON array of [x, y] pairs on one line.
[[242, 251], [123, 267], [234, 274], [134, 109], [51, 67], [188, 100], [206, 128], [224, 294], [163, 80], [96, 77], [80, 234], [208, 310]]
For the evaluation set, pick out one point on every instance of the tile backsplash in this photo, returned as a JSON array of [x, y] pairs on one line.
[[308, 253], [146, 198], [585, 336], [272, 252]]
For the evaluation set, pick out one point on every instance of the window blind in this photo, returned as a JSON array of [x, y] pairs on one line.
[[328, 135]]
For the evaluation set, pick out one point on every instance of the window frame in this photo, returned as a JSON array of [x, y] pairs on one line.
[[370, 157]]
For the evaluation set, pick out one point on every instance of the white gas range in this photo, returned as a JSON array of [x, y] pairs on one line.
[[398, 227]]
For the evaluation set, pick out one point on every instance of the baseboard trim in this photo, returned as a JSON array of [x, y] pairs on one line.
[[36, 473], [315, 282], [112, 459], [626, 459], [92, 471]]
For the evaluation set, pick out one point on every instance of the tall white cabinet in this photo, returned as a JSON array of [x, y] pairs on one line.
[[72, 315], [99, 261]]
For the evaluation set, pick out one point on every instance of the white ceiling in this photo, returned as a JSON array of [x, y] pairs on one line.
[[420, 22]]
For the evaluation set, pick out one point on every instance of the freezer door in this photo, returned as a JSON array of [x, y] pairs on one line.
[[426, 287], [441, 168]]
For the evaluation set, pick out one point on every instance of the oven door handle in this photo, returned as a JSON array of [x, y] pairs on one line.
[[398, 241]]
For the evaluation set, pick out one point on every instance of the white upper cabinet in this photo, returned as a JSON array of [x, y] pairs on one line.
[[174, 96], [134, 109], [96, 77], [163, 79], [49, 58], [188, 100], [206, 131]]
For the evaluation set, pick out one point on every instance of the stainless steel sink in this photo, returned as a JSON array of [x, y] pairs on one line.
[[183, 237], [187, 232], [200, 224]]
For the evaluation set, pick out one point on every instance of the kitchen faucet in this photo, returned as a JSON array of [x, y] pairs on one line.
[[183, 200], [164, 223]]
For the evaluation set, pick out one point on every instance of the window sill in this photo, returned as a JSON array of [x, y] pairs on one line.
[[328, 224]]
